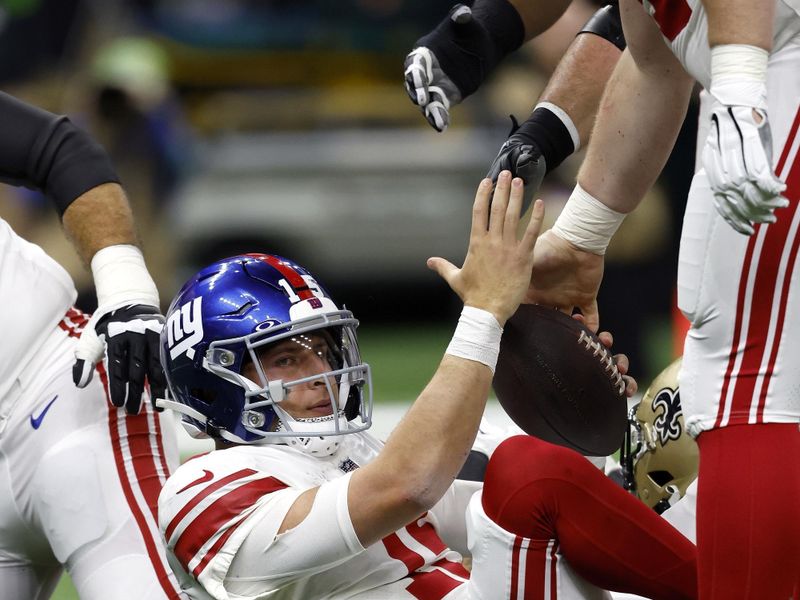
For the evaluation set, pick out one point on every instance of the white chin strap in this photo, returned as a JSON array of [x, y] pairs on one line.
[[319, 446]]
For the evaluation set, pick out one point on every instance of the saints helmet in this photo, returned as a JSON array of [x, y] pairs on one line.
[[659, 458]]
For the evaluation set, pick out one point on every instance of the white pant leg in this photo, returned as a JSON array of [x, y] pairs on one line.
[[741, 293], [505, 565], [85, 485]]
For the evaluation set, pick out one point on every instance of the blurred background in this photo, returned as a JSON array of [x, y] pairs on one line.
[[282, 126]]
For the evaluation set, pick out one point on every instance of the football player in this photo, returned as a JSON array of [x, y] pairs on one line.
[[659, 458], [299, 501], [453, 60], [79, 476], [737, 281]]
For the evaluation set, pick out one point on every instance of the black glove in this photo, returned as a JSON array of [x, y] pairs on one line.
[[131, 334], [521, 155], [454, 59]]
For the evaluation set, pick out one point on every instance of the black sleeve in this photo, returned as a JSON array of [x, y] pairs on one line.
[[43, 151]]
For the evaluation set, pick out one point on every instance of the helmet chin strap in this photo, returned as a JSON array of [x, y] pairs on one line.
[[320, 446]]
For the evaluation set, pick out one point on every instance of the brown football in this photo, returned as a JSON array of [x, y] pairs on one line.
[[557, 381]]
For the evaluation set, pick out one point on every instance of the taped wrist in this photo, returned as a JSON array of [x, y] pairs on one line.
[[468, 50], [587, 223], [607, 24], [739, 75], [477, 337], [121, 277], [552, 131]]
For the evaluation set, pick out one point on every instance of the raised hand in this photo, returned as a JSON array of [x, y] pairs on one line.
[[521, 156], [496, 272]]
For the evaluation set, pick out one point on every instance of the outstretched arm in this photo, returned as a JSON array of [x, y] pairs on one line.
[[48, 152], [428, 447], [639, 118]]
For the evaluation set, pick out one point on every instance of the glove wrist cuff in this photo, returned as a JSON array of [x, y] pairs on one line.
[[587, 223], [739, 75], [121, 277]]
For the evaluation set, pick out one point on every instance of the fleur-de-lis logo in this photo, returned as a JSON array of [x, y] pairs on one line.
[[666, 422]]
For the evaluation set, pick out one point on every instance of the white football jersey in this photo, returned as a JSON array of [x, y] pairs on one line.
[[35, 293], [684, 25], [212, 502]]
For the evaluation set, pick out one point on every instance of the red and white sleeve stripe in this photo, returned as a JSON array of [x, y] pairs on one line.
[[201, 527]]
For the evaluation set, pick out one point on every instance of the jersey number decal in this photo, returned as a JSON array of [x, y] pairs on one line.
[[671, 15], [312, 284]]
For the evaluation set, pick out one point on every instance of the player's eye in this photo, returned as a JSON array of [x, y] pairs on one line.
[[284, 361]]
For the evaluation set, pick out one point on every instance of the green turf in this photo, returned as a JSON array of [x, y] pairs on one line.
[[403, 358], [65, 590]]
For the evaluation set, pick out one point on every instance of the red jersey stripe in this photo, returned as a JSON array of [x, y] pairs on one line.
[[515, 568], [138, 438], [760, 312], [210, 489], [426, 535], [789, 141], [221, 512], [431, 585], [399, 551], [793, 194], [147, 537], [554, 571], [212, 552]]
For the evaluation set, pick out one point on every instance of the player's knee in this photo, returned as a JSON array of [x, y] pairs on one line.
[[523, 460]]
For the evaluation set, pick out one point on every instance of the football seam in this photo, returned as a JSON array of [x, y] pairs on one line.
[[604, 357]]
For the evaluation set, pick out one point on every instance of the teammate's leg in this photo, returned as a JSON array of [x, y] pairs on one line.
[[552, 500], [747, 523]]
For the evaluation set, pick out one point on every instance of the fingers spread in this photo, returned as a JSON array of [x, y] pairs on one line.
[[480, 209], [497, 214]]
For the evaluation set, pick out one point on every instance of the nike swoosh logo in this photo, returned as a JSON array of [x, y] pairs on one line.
[[207, 476], [37, 421]]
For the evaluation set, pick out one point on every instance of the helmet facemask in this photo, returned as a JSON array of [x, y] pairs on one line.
[[326, 349], [659, 458]]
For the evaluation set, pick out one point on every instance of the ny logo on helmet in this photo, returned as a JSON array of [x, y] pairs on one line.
[[185, 329], [666, 424]]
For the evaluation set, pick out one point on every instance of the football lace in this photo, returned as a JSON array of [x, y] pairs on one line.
[[604, 356]]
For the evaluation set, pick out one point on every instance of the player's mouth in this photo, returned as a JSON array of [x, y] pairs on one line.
[[322, 408]]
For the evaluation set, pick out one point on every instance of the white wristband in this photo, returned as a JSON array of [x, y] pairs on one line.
[[121, 277], [477, 337], [587, 223], [739, 75], [566, 120]]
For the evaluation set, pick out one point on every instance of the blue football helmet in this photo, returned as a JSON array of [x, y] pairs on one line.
[[219, 322]]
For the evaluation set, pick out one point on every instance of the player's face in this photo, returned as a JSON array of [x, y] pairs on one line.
[[295, 358]]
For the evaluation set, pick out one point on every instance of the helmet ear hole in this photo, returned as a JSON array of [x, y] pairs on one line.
[[661, 478]]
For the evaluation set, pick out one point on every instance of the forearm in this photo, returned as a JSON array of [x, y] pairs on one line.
[[538, 16], [427, 449], [638, 120], [740, 22], [578, 82], [99, 218]]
